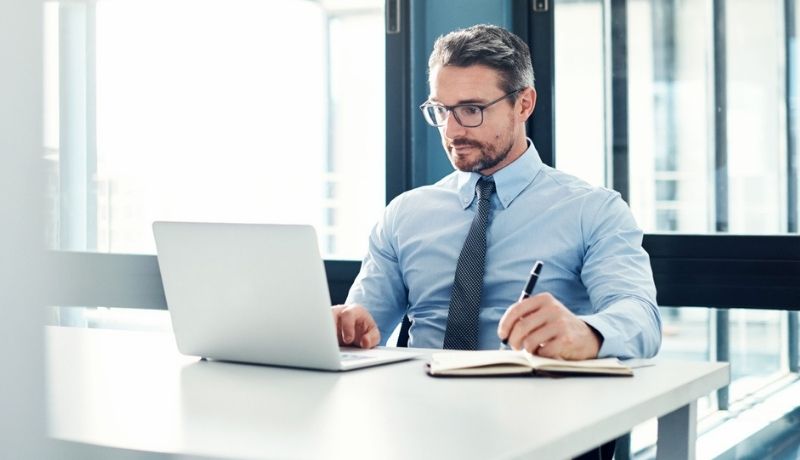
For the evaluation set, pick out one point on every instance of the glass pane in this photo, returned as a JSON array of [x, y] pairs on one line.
[[236, 111], [579, 90], [756, 116], [757, 338], [676, 178], [671, 180], [686, 333]]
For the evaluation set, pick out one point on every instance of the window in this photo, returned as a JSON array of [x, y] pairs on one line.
[[699, 100], [690, 172], [580, 109], [237, 111]]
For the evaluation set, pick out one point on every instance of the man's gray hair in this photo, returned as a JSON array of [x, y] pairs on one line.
[[490, 46]]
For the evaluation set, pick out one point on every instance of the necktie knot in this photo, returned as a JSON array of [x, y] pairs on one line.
[[485, 188]]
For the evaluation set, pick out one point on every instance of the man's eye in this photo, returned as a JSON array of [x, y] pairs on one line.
[[470, 110]]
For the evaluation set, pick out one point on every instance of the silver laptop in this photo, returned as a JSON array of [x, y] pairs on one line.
[[253, 293]]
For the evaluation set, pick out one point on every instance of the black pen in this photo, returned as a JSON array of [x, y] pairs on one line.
[[526, 292]]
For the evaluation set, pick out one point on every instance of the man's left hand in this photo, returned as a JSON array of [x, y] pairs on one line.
[[545, 327]]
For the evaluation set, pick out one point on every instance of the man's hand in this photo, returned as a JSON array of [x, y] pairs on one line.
[[545, 327], [355, 326]]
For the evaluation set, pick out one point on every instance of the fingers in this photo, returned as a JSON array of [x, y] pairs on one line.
[[519, 310], [366, 332], [526, 326], [355, 326], [338, 317], [336, 311], [347, 326], [371, 339], [542, 340], [543, 326], [570, 344]]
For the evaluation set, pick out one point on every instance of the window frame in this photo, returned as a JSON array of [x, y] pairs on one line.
[[719, 271]]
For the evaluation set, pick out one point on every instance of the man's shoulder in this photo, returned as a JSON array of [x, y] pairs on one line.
[[444, 187], [566, 184]]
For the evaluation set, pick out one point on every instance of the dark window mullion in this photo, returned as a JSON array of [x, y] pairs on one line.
[[617, 38], [615, 26], [794, 342], [398, 90], [792, 106], [720, 117], [720, 142], [723, 352], [537, 28]]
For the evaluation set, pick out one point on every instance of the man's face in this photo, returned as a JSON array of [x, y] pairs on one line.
[[484, 148]]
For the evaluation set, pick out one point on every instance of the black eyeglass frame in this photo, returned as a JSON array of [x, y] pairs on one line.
[[451, 108]]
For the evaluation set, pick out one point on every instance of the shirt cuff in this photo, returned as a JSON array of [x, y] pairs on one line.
[[626, 332], [613, 344]]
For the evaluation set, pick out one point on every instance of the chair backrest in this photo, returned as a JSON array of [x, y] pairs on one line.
[[701, 270]]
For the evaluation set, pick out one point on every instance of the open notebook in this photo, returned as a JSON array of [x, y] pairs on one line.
[[510, 362]]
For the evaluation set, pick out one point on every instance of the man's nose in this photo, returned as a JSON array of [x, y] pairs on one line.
[[452, 128]]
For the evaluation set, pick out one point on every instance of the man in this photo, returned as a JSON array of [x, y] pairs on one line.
[[595, 297]]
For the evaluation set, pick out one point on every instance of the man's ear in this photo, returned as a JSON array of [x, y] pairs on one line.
[[527, 102]]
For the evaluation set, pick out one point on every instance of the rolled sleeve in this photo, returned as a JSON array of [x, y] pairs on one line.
[[627, 327], [379, 286], [619, 281]]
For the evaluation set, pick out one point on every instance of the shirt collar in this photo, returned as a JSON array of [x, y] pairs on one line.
[[509, 181]]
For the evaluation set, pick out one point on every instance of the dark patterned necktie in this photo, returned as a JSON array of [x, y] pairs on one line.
[[465, 300]]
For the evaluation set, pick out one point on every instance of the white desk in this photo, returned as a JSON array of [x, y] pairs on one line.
[[133, 390]]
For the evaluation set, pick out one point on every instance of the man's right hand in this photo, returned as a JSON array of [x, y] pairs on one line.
[[355, 326]]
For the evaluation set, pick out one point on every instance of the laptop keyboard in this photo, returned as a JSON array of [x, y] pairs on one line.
[[352, 356]]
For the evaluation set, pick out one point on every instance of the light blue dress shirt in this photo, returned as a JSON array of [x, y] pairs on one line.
[[585, 235]]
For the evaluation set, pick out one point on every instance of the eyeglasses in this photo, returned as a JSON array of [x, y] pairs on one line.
[[467, 115]]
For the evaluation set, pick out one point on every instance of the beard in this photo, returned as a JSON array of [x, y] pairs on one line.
[[490, 155]]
